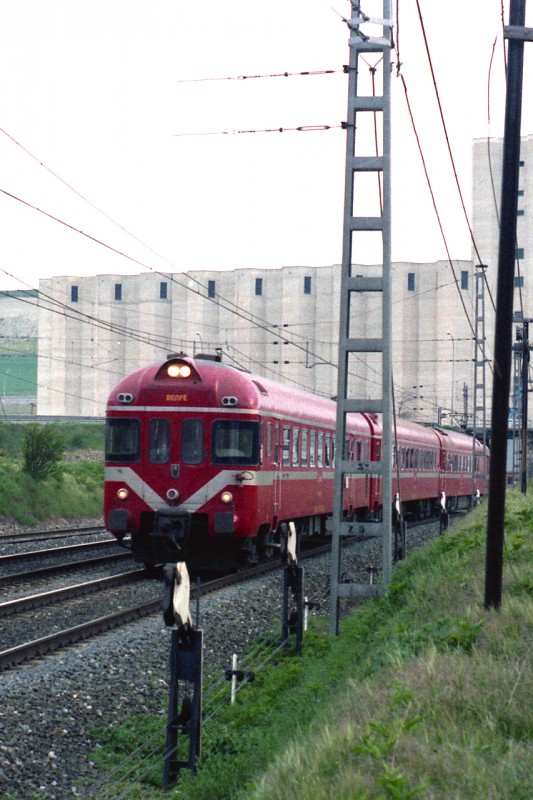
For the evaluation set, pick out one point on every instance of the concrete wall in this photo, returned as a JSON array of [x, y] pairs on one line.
[[285, 332]]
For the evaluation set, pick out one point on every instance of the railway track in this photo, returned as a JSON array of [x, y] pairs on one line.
[[25, 652], [42, 599], [43, 536], [38, 647], [43, 569]]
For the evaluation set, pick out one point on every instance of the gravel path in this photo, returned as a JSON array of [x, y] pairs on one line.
[[48, 709]]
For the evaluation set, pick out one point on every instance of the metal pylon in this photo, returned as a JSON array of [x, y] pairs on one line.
[[479, 410], [354, 349]]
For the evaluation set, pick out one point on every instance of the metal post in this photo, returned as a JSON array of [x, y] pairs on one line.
[[504, 309], [525, 381], [186, 667], [453, 377], [363, 162]]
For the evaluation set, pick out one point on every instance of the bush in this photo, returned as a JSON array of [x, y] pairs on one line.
[[42, 450]]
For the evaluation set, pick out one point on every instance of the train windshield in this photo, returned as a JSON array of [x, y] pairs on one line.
[[235, 442], [122, 439]]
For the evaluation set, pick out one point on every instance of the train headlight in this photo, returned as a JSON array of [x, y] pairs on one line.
[[123, 493], [179, 371], [226, 497], [173, 494]]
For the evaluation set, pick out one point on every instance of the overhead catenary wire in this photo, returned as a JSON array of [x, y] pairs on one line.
[[219, 300], [273, 130], [299, 128], [448, 144], [303, 73]]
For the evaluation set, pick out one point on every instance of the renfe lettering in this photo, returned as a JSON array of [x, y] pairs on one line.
[[176, 398]]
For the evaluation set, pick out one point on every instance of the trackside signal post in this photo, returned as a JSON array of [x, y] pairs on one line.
[[292, 620], [367, 173], [186, 667]]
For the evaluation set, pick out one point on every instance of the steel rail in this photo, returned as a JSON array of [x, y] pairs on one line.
[[43, 571], [69, 548], [69, 592], [56, 533], [19, 654]]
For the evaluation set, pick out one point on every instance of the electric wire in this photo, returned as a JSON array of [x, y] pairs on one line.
[[304, 73], [218, 299], [299, 129], [433, 200], [445, 128]]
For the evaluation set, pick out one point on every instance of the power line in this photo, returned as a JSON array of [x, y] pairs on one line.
[[299, 128], [304, 73], [445, 128]]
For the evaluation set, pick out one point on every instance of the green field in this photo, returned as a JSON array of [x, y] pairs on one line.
[[424, 694], [18, 375]]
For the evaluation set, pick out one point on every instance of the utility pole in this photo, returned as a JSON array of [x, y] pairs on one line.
[[516, 34]]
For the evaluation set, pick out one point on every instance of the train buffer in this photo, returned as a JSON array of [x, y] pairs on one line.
[[184, 718]]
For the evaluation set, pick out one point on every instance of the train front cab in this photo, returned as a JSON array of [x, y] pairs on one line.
[[186, 479]]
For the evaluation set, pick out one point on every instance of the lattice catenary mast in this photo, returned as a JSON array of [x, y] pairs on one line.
[[365, 158]]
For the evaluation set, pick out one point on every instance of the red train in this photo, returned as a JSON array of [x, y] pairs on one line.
[[204, 462]]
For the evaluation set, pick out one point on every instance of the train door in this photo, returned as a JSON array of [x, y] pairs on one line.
[[158, 456], [186, 469], [276, 478]]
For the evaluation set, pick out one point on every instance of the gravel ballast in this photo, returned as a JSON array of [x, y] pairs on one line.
[[48, 709]]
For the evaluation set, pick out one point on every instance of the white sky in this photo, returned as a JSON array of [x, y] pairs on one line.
[[93, 91]]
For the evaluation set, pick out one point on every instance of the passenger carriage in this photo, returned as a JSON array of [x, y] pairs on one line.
[[204, 462]]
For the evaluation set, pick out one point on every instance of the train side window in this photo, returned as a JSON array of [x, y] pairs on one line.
[[276, 444], [235, 442], [305, 440], [367, 451], [359, 451], [192, 441], [312, 448], [320, 449], [378, 451], [122, 439], [159, 441], [333, 451], [295, 447], [286, 445], [269, 439], [327, 450]]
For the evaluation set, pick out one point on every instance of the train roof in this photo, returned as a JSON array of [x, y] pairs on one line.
[[212, 383]]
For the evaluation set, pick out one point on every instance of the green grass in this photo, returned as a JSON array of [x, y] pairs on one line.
[[424, 694], [76, 436], [78, 493]]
